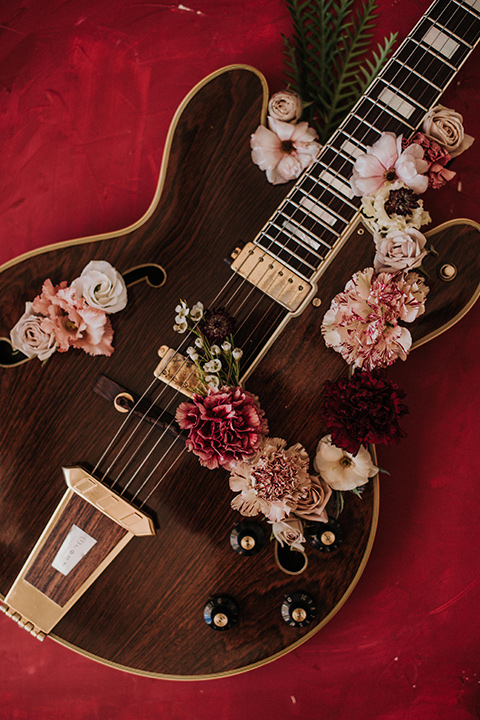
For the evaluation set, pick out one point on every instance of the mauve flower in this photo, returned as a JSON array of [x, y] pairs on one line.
[[289, 532], [284, 150], [225, 427], [446, 127], [272, 482], [102, 287], [399, 250], [384, 162], [312, 503], [30, 338], [363, 409], [286, 106], [340, 469], [436, 156]]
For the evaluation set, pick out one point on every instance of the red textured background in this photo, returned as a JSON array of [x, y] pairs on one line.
[[88, 88]]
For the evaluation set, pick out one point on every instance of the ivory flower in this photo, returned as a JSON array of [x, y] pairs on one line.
[[340, 469], [283, 150], [285, 106], [446, 127], [30, 338], [102, 287], [289, 532], [385, 162], [393, 207], [399, 250]]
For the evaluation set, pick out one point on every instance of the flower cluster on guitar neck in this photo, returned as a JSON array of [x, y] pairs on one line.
[[363, 321], [75, 315]]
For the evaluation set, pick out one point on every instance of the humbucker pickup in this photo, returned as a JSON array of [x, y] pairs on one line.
[[178, 371]]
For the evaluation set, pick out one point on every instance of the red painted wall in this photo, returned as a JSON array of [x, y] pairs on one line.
[[88, 88]]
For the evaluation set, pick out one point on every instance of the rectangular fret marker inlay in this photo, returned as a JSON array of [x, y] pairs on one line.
[[396, 102], [319, 211], [298, 232], [335, 182], [350, 149], [441, 42], [474, 3]]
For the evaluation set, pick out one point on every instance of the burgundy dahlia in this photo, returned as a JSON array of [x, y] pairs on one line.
[[363, 409], [225, 427]]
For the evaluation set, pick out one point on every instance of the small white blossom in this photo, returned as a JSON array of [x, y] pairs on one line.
[[181, 327], [237, 353], [194, 357], [190, 350], [199, 342], [212, 366], [226, 346], [212, 380], [182, 310], [215, 350], [196, 312]]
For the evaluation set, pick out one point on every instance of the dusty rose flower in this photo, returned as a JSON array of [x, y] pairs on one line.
[[363, 409], [284, 150], [436, 156], [289, 532], [102, 287], [446, 127], [72, 321], [30, 338], [225, 427], [340, 469], [399, 250], [362, 321], [384, 162], [312, 503], [272, 482], [286, 106]]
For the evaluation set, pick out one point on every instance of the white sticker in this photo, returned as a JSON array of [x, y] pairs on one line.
[[75, 546]]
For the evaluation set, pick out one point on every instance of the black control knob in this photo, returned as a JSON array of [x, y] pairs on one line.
[[298, 609], [324, 536], [247, 538], [220, 613]]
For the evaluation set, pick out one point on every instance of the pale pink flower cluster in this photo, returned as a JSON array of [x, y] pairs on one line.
[[284, 150], [64, 316], [276, 483], [362, 323]]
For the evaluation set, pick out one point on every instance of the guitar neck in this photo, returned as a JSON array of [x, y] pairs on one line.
[[317, 211]]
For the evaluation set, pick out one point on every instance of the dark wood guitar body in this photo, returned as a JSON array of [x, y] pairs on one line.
[[145, 611]]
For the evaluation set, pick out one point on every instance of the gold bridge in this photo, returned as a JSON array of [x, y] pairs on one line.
[[271, 276], [178, 371]]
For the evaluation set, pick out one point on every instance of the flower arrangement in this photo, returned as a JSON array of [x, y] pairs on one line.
[[75, 315]]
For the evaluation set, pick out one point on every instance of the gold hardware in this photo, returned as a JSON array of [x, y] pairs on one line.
[[117, 405], [316, 302], [274, 279], [360, 231], [177, 371], [447, 272], [247, 542], [299, 614], [220, 620], [327, 538]]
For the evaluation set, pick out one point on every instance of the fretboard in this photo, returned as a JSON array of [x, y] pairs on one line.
[[319, 208]]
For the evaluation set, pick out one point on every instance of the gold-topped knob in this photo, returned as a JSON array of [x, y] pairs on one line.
[[299, 614], [220, 620], [447, 272], [327, 538], [247, 542]]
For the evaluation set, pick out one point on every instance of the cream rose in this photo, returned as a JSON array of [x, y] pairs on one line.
[[399, 250], [289, 532], [101, 286], [286, 106], [340, 469], [30, 338], [446, 127]]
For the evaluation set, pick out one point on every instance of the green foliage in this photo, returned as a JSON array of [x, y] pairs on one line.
[[325, 58]]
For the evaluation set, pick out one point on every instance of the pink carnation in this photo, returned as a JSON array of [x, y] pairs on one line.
[[362, 322], [225, 427]]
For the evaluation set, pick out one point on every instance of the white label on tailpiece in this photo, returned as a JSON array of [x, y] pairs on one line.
[[75, 546]]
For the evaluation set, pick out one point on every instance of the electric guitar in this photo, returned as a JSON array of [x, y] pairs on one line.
[[164, 548]]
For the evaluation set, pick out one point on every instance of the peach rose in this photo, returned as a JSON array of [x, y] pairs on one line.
[[446, 127], [285, 106]]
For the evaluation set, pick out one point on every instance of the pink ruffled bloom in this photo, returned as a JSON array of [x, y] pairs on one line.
[[385, 162], [72, 321], [362, 322], [284, 150], [436, 156], [225, 427]]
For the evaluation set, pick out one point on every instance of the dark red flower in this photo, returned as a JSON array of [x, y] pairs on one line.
[[216, 325], [363, 409], [225, 427], [434, 154]]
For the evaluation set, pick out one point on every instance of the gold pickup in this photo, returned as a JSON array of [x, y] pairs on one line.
[[178, 371], [271, 277]]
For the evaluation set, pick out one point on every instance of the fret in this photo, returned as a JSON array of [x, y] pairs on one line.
[[278, 246], [474, 5], [386, 93], [340, 163], [399, 78], [303, 217], [446, 46], [462, 24], [333, 203], [301, 245], [327, 216], [344, 144], [423, 62]]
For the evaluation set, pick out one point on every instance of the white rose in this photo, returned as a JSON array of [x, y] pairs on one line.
[[29, 337], [289, 532], [102, 287], [446, 127], [399, 250], [286, 106], [340, 469]]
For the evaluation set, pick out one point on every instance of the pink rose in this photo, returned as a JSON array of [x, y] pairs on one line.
[[285, 106], [399, 250]]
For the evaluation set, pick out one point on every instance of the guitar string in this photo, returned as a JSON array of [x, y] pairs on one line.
[[254, 288]]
